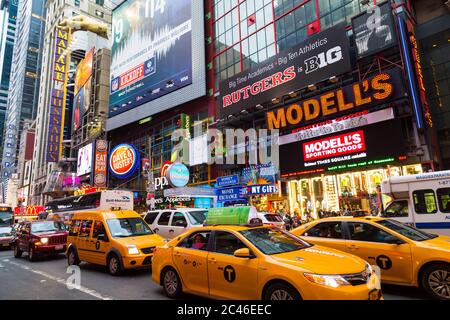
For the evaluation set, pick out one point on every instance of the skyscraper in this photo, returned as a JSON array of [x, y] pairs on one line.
[[24, 80]]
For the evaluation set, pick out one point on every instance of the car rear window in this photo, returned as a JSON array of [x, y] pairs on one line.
[[273, 218]]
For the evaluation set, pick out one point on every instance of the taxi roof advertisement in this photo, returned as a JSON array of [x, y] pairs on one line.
[[319, 57], [353, 148], [151, 53]]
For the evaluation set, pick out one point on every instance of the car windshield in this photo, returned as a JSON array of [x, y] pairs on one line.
[[47, 226], [405, 230], [273, 241], [6, 219], [273, 217], [5, 232], [197, 217], [128, 227]]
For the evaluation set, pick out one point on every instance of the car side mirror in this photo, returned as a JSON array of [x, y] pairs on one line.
[[242, 253], [102, 237]]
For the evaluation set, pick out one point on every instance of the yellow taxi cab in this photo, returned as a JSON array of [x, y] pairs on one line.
[[229, 259], [117, 239], [405, 255]]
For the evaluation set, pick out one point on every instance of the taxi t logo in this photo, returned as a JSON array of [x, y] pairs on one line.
[[229, 273], [384, 262]]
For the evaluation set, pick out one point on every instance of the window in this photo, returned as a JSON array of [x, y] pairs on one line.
[[227, 243], [151, 217], [74, 228], [367, 232], [164, 219], [178, 220], [396, 209], [197, 240], [443, 195], [405, 230], [85, 228], [331, 230], [99, 228], [128, 227], [424, 201], [100, 2]]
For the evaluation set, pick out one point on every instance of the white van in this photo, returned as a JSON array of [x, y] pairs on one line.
[[64, 208], [421, 200]]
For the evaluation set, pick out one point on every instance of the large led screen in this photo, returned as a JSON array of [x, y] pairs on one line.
[[151, 52]]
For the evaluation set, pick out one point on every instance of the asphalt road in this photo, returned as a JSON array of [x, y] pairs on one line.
[[46, 279]]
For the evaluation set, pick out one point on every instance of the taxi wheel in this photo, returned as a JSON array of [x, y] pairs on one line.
[[114, 267], [171, 283], [436, 281], [31, 254], [17, 251], [281, 291], [72, 258]]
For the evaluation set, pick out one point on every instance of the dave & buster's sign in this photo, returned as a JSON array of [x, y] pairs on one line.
[[373, 144], [123, 160], [382, 88], [320, 57]]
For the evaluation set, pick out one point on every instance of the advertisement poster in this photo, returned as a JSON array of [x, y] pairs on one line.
[[78, 109], [374, 31], [318, 58], [101, 162], [350, 149], [84, 160], [259, 174], [150, 55], [84, 70]]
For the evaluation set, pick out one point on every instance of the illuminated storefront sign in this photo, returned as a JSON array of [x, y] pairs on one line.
[[178, 175], [58, 96], [379, 89], [318, 58], [343, 144], [123, 161], [101, 156], [366, 146], [348, 122]]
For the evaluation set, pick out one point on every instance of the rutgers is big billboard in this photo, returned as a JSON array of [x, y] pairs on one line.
[[358, 147], [318, 58]]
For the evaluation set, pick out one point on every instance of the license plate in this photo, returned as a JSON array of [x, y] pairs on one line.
[[5, 244], [59, 247]]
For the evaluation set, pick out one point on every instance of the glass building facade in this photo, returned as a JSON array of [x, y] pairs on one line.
[[250, 31]]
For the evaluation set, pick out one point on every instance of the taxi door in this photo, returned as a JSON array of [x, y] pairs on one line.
[[101, 243], [378, 247], [328, 234], [190, 259], [231, 277], [85, 246]]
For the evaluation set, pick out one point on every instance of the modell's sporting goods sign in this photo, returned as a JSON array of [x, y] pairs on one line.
[[123, 161], [318, 58]]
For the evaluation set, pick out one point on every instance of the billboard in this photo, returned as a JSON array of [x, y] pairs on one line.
[[124, 159], [78, 109], [84, 160], [350, 149], [58, 96], [151, 52], [101, 159], [84, 70], [318, 58], [374, 31]]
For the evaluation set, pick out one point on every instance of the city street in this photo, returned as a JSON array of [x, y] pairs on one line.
[[46, 279]]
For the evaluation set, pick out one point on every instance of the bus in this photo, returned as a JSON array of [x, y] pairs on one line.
[[6, 215], [64, 208]]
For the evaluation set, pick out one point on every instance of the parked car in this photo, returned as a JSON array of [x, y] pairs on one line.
[[6, 237], [40, 238], [170, 223], [271, 219]]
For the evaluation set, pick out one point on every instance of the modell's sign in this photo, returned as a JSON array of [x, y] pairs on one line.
[[123, 161], [318, 58], [374, 91], [334, 146]]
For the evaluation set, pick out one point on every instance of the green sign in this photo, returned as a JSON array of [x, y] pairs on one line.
[[229, 215]]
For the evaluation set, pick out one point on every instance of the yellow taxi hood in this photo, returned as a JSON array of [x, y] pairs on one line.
[[438, 243], [321, 260], [151, 240]]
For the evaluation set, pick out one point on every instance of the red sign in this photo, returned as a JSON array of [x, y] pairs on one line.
[[334, 146], [132, 76]]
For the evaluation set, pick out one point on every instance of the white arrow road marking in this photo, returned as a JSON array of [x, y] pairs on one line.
[[62, 281]]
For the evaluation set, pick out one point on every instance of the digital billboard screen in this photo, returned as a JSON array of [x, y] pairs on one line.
[[84, 161], [358, 147], [151, 51]]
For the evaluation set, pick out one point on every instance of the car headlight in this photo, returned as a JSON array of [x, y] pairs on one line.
[[132, 249], [333, 281], [369, 269], [44, 240]]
